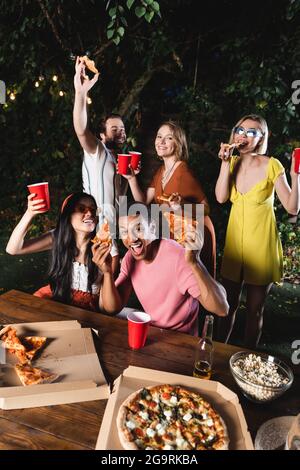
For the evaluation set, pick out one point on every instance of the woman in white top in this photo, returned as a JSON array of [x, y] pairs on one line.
[[74, 278]]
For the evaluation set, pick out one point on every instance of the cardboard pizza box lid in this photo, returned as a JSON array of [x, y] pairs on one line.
[[70, 353], [221, 398]]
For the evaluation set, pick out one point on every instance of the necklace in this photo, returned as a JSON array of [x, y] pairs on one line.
[[167, 174]]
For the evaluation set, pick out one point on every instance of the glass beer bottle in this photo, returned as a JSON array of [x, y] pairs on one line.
[[204, 351]]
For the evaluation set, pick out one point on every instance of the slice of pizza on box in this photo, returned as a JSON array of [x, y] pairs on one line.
[[24, 348], [33, 344], [29, 375], [8, 335]]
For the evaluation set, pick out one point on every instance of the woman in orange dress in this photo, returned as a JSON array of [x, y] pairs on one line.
[[175, 179]]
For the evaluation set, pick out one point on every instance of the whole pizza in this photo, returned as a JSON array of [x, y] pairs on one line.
[[169, 417]]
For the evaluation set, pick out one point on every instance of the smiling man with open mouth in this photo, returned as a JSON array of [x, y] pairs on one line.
[[168, 279]]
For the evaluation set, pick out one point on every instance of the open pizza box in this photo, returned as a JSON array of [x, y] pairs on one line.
[[69, 352], [224, 401]]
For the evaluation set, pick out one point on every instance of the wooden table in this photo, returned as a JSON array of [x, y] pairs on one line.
[[76, 426]]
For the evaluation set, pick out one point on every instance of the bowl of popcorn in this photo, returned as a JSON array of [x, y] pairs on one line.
[[261, 377]]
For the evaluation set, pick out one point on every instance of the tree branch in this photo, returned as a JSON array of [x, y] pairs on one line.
[[102, 48], [137, 87], [52, 25]]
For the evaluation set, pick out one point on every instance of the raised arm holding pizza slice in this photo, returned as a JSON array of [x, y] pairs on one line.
[[99, 175]]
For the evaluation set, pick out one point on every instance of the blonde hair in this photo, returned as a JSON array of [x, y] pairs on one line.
[[263, 143], [181, 148]]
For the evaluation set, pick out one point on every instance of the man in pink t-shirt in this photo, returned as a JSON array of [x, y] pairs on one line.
[[167, 279]]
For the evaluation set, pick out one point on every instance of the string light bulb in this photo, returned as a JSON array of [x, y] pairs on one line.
[[89, 101], [12, 96], [55, 78], [36, 84], [61, 93]]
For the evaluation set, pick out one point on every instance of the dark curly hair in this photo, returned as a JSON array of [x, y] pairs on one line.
[[103, 121]]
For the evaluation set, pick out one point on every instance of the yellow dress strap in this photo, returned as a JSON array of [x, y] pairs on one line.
[[275, 169]]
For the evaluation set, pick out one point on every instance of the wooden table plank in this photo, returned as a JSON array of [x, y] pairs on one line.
[[24, 306], [15, 436], [62, 421], [60, 427]]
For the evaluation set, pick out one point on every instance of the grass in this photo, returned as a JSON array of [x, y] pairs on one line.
[[281, 319]]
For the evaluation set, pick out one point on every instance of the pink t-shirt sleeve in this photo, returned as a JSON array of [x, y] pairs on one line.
[[124, 271], [185, 278]]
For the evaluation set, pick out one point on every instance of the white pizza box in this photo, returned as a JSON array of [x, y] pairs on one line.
[[70, 353], [225, 402]]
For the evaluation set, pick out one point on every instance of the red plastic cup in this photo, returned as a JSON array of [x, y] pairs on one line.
[[41, 190], [138, 323], [297, 160], [135, 159], [123, 163]]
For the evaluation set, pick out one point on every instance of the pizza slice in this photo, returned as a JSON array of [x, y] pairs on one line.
[[164, 198], [20, 355], [8, 336], [235, 145], [25, 348], [229, 148], [32, 375], [179, 226], [103, 235], [12, 343], [90, 64], [33, 344]]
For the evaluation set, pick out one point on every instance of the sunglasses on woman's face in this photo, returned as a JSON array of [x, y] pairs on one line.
[[248, 132], [83, 209]]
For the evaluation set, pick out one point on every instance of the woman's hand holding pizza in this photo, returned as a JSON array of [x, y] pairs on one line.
[[225, 151], [102, 257], [175, 201]]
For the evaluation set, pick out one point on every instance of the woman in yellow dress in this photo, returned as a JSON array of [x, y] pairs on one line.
[[253, 252]]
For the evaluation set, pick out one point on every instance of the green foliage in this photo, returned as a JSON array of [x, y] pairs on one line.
[[116, 27], [158, 60], [129, 3], [290, 237]]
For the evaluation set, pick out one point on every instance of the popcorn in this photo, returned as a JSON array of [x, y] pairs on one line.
[[259, 372], [261, 375]]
